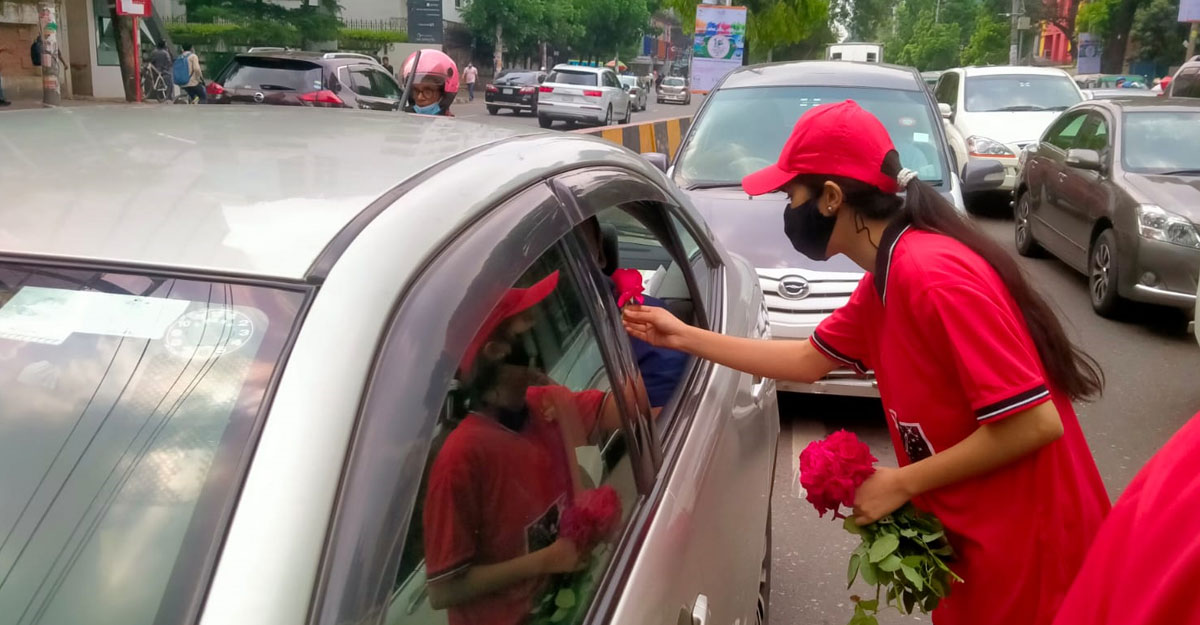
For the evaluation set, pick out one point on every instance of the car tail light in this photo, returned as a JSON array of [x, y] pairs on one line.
[[546, 89], [528, 90], [592, 93], [323, 97], [491, 88], [215, 88]]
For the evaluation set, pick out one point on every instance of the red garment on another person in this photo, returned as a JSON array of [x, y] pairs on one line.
[[1145, 564]]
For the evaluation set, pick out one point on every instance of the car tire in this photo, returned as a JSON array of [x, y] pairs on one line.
[[492, 110], [533, 111], [628, 115], [1027, 245], [1104, 276], [545, 122], [608, 119]]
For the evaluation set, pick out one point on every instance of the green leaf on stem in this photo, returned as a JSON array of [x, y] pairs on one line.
[[852, 572], [929, 538], [869, 573], [565, 599], [909, 601], [884, 547], [872, 605], [913, 576], [890, 563]]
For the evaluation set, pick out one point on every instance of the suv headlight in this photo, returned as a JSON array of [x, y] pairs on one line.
[[1159, 225], [982, 146]]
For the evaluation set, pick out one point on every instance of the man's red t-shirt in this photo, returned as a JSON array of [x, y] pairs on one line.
[[494, 495], [1145, 564], [951, 351]]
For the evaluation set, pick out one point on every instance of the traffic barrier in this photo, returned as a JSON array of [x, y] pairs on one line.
[[662, 136]]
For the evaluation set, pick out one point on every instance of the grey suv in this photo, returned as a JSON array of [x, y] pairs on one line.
[[296, 78], [1186, 83], [285, 368]]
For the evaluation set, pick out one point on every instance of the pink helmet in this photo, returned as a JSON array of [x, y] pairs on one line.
[[435, 66]]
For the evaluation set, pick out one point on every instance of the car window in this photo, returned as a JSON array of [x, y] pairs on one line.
[[1062, 135], [742, 130], [129, 400], [1020, 92], [673, 82], [267, 74], [1161, 141], [529, 452], [1186, 85], [517, 78], [370, 82], [631, 81], [570, 77], [947, 90], [611, 80], [1095, 134]]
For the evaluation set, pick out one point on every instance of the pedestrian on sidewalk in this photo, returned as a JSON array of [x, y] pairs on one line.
[[471, 74], [974, 368], [160, 60], [195, 84], [388, 66]]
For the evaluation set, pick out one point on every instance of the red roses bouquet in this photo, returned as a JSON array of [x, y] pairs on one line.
[[589, 522], [592, 518], [906, 551]]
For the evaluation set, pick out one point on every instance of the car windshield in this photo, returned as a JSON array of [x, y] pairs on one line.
[[568, 77], [1020, 92], [130, 402], [742, 130], [673, 82], [517, 78], [1161, 142], [272, 75]]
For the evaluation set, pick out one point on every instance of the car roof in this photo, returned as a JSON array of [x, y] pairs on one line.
[[1009, 70], [305, 55], [256, 191], [580, 68], [1166, 105], [824, 73]]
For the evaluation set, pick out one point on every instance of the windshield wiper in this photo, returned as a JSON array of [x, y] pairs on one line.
[[275, 88], [1022, 107], [712, 184], [1182, 172]]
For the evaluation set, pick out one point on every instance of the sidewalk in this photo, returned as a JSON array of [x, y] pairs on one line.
[[30, 103]]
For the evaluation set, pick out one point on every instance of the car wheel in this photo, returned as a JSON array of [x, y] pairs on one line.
[[492, 110], [1103, 275], [608, 116], [1023, 230], [545, 122], [628, 114], [533, 111]]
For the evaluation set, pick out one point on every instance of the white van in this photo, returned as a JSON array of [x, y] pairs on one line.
[[862, 52]]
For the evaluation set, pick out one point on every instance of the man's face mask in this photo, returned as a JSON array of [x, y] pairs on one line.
[[807, 229], [432, 109]]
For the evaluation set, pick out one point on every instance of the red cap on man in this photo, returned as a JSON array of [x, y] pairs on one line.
[[838, 139], [515, 301]]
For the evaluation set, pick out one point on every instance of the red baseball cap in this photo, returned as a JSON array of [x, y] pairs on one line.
[[837, 139], [514, 302]]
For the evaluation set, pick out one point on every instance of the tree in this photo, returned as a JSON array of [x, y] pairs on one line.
[[769, 23], [935, 45], [1158, 32], [989, 41]]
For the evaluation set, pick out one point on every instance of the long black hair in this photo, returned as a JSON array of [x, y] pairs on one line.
[[1070, 369]]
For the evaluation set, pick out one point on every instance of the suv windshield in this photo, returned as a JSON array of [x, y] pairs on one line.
[[673, 82], [567, 77], [267, 74], [129, 403], [1161, 142], [1020, 92], [742, 130]]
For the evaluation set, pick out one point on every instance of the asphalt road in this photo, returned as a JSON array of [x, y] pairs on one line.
[[477, 111], [1151, 364]]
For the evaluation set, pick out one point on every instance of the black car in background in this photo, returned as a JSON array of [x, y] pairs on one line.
[[298, 78], [1113, 189], [516, 90]]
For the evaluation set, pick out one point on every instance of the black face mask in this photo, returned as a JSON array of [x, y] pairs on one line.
[[808, 230], [513, 419]]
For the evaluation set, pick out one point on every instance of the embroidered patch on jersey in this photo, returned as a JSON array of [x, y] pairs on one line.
[[543, 531], [916, 444]]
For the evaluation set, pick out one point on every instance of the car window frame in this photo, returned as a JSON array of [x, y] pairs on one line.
[[355, 580], [1062, 123]]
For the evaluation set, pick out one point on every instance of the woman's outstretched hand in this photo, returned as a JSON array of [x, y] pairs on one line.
[[656, 326]]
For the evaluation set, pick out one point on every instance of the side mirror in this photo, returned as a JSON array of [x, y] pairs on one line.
[[945, 110], [658, 159], [541, 79], [982, 175], [1084, 159]]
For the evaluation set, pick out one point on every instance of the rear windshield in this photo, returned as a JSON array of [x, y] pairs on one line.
[[1020, 92], [630, 81], [1187, 85], [272, 75], [567, 77], [517, 78], [673, 82], [129, 402]]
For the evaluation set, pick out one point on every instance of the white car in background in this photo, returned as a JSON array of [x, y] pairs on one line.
[[637, 94], [997, 111], [586, 95]]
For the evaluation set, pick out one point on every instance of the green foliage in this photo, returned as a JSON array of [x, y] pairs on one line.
[[368, 39], [989, 41], [935, 46], [265, 23], [904, 556], [1158, 32], [1095, 17], [786, 22]]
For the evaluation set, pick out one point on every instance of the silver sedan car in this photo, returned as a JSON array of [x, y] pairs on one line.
[[291, 367]]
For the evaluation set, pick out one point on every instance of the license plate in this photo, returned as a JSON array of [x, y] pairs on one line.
[[508, 92]]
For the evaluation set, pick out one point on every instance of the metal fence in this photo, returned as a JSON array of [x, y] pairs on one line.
[[398, 24]]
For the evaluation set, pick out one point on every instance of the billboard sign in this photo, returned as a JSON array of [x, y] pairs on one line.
[[425, 21], [718, 45], [1189, 10]]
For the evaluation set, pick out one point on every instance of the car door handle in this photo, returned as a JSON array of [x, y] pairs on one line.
[[700, 611], [1062, 176]]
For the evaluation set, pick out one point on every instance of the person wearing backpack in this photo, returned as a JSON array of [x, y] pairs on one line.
[[186, 73]]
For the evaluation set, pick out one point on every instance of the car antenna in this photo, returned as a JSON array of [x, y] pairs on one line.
[[408, 82]]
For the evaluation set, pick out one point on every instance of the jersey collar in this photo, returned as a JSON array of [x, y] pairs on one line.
[[887, 246]]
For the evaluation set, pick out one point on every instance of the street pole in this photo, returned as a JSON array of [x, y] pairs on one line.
[[1192, 37], [1013, 36], [48, 27], [137, 57]]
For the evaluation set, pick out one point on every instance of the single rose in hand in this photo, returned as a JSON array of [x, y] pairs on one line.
[[629, 286]]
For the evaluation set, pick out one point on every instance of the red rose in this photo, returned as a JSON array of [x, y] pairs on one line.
[[593, 517], [831, 470], [629, 286]]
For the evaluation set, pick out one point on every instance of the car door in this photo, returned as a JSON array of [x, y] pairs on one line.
[[1084, 195], [617, 95], [1047, 164], [374, 89], [946, 93]]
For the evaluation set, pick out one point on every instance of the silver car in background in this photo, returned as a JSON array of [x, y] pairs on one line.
[[741, 128], [674, 89], [232, 349], [638, 95]]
